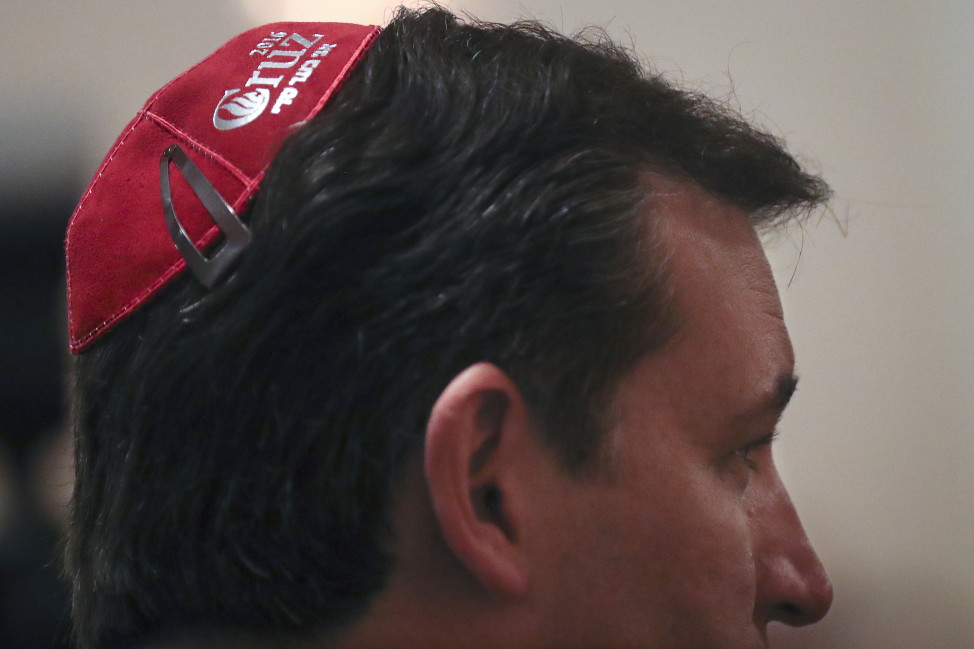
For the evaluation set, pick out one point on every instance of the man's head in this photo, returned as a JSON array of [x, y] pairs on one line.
[[498, 359]]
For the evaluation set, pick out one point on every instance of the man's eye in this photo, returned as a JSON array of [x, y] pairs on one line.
[[745, 451]]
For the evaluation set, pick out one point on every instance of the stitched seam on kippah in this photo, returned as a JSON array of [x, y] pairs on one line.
[[196, 144], [84, 199], [340, 78], [178, 266]]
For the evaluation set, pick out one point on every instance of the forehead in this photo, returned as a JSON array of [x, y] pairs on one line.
[[731, 346], [715, 260]]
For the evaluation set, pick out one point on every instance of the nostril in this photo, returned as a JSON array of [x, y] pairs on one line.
[[806, 604], [790, 613], [794, 593]]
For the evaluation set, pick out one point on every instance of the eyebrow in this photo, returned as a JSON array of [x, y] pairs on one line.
[[775, 402]]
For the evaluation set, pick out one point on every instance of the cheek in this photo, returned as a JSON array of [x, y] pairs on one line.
[[671, 559], [702, 538], [705, 579]]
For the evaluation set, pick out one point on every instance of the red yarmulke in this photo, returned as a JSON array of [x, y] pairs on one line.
[[229, 113]]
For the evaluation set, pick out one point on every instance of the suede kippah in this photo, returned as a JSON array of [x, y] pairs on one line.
[[189, 162]]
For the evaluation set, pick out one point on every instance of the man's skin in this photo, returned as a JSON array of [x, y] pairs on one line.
[[685, 536]]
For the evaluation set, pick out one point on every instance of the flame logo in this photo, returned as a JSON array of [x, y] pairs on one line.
[[240, 109]]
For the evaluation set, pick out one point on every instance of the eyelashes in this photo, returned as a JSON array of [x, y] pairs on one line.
[[745, 451]]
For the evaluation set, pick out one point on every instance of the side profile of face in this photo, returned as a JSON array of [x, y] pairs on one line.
[[683, 536], [691, 540]]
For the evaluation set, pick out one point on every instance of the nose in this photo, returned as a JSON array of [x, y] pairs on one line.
[[792, 585]]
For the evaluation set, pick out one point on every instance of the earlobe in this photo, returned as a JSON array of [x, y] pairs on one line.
[[470, 465]]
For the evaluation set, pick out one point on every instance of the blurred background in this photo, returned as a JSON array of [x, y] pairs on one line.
[[878, 446]]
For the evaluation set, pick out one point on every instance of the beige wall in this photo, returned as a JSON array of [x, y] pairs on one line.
[[878, 447]]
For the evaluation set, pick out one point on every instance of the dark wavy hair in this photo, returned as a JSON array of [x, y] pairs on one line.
[[476, 192]]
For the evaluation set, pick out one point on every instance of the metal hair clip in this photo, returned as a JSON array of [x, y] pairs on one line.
[[207, 270]]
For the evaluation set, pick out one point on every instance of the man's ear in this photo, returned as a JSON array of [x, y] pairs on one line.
[[478, 433]]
